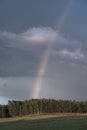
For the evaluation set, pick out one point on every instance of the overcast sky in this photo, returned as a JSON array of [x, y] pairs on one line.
[[26, 29]]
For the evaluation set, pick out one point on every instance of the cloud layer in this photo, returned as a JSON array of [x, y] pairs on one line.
[[39, 35], [21, 55], [77, 54]]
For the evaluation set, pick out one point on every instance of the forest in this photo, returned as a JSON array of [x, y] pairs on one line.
[[41, 106]]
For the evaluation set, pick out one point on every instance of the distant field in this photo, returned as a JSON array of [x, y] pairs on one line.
[[45, 122]]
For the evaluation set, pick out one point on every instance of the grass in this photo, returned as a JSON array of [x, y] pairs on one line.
[[45, 122]]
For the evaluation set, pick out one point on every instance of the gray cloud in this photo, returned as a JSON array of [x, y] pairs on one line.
[[24, 37], [66, 80], [16, 88], [77, 54], [20, 56]]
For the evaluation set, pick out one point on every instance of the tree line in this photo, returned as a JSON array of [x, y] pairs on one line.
[[40, 106]]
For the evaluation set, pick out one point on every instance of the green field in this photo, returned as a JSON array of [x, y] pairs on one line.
[[52, 123]]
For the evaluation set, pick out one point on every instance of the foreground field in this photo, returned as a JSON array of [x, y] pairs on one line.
[[46, 122]]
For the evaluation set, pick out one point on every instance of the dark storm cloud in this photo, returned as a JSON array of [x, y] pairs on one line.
[[20, 57], [18, 15], [26, 27], [20, 54]]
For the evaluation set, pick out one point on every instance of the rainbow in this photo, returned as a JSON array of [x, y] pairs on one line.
[[42, 66]]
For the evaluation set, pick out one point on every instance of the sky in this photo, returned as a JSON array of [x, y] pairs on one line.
[[43, 49]]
